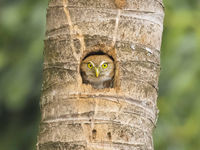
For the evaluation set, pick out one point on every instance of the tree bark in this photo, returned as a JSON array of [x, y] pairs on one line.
[[74, 116]]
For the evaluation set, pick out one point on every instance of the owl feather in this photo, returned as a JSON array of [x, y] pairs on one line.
[[98, 71]]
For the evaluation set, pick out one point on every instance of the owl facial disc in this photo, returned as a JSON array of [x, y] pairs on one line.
[[98, 70]]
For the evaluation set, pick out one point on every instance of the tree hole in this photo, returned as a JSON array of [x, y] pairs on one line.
[[98, 69], [94, 134], [109, 135]]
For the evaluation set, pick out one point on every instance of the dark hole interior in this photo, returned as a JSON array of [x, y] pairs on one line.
[[94, 132], [109, 135], [97, 53]]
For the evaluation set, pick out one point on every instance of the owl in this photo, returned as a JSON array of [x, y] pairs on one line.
[[98, 70]]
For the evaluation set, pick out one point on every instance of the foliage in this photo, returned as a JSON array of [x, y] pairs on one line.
[[178, 126], [22, 28]]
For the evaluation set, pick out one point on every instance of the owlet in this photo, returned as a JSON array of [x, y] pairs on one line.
[[98, 70]]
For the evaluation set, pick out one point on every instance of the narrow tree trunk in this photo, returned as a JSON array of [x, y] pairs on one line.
[[74, 115]]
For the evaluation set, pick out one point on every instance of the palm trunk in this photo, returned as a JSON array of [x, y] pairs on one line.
[[74, 115]]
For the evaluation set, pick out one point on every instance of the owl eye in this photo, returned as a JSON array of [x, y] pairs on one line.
[[89, 65], [104, 65]]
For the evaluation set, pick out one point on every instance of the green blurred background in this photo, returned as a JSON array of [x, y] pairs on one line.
[[22, 29]]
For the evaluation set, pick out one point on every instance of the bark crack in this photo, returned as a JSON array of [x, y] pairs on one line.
[[116, 26], [74, 30]]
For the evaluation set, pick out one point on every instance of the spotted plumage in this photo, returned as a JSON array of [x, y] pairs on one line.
[[98, 70]]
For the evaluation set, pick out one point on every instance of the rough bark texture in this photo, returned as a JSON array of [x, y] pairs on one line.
[[76, 116]]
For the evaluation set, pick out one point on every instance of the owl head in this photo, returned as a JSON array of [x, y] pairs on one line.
[[96, 69]]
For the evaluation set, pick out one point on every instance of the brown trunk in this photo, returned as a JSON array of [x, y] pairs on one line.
[[74, 115]]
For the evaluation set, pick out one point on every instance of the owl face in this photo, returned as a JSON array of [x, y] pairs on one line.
[[96, 69]]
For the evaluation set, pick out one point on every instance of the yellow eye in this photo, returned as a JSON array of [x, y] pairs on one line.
[[89, 65], [104, 65]]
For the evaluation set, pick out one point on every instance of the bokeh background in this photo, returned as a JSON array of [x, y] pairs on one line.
[[22, 30]]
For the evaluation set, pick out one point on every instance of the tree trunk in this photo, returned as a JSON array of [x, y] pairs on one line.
[[74, 116]]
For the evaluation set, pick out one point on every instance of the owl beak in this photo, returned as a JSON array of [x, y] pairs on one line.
[[97, 72]]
